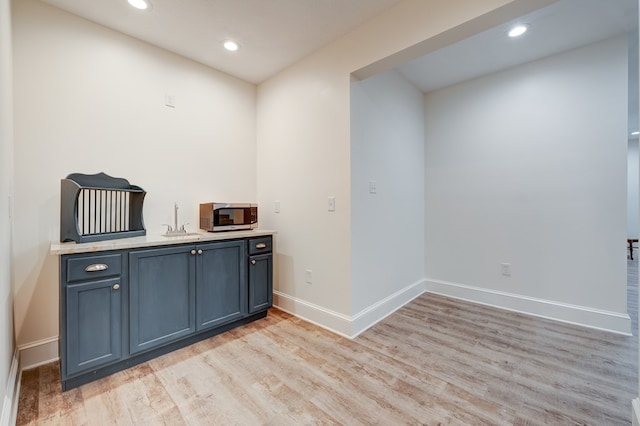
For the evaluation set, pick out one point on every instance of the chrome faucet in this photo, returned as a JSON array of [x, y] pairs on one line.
[[175, 217], [175, 230]]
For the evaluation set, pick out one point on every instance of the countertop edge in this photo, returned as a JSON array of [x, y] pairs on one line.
[[58, 248]]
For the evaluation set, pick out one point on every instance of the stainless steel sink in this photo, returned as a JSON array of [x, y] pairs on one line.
[[180, 234]]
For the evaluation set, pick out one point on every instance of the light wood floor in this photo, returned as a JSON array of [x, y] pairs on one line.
[[435, 361]]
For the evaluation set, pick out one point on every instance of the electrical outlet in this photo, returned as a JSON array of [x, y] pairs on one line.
[[372, 187], [506, 269], [308, 276]]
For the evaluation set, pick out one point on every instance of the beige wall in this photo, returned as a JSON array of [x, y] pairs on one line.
[[303, 148], [540, 185], [6, 169], [91, 100], [387, 227]]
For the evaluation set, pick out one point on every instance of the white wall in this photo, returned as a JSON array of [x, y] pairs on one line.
[[304, 149], [89, 99], [633, 175], [6, 171], [636, 401], [387, 228], [633, 203], [528, 167]]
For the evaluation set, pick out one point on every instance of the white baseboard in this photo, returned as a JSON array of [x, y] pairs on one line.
[[635, 412], [325, 318], [25, 357], [573, 314], [352, 326], [38, 353], [344, 325], [10, 405], [385, 307]]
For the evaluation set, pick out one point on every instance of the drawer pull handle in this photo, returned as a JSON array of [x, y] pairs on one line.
[[193, 252], [261, 245], [96, 267], [116, 286], [253, 262]]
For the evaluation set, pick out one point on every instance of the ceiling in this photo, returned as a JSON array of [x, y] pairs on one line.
[[564, 25], [272, 33]]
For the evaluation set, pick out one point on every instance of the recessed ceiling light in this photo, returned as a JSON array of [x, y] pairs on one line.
[[139, 4], [518, 30], [231, 45]]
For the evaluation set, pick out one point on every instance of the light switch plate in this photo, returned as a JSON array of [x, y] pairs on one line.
[[170, 100], [331, 204]]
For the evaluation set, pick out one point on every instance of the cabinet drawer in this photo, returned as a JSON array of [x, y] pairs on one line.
[[259, 245], [90, 267]]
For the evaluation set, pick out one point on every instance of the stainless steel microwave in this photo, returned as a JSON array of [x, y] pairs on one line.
[[228, 216]]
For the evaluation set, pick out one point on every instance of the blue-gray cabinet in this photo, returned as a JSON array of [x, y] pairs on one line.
[[162, 296], [93, 324], [221, 283], [260, 273], [260, 282], [123, 307], [91, 316]]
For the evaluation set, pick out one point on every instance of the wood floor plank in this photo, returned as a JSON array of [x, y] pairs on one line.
[[436, 361]]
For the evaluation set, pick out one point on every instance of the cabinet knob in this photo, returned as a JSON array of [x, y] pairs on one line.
[[253, 262], [193, 252], [199, 251], [116, 286]]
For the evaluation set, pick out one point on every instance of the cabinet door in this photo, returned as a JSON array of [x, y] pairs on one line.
[[221, 284], [260, 282], [93, 325], [162, 296]]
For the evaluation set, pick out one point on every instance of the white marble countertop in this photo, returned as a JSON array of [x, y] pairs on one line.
[[58, 248]]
